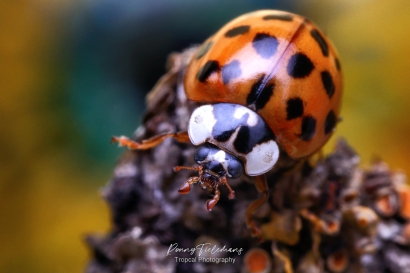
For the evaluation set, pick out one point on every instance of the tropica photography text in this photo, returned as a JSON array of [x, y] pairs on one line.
[[202, 253]]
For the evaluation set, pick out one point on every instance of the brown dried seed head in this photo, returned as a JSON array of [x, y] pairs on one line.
[[386, 205], [349, 195], [406, 230], [333, 227], [399, 178], [365, 245], [403, 238], [404, 199], [257, 260], [379, 166], [364, 216], [338, 261], [284, 227]]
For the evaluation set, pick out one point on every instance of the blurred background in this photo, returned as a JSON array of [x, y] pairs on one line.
[[75, 72]]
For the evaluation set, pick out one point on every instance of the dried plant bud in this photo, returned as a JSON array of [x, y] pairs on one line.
[[376, 179], [284, 227], [349, 197], [343, 161], [386, 205], [338, 262], [404, 201], [363, 217], [146, 254], [329, 226], [388, 229], [406, 231], [396, 258], [332, 227], [403, 237], [399, 179], [310, 263], [204, 242], [365, 245], [282, 262], [257, 260]]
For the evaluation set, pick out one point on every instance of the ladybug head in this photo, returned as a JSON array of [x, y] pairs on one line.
[[215, 166], [218, 162]]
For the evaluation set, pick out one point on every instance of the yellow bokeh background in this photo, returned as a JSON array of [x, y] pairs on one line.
[[49, 192], [374, 47], [47, 202]]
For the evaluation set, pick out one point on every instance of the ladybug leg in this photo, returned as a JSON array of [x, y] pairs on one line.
[[151, 142], [262, 187], [196, 168], [231, 192], [192, 180], [212, 202], [187, 186]]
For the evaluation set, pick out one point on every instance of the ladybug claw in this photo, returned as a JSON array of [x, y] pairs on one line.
[[210, 204], [185, 188]]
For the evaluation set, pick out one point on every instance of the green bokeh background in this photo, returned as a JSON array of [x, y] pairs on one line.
[[73, 73]]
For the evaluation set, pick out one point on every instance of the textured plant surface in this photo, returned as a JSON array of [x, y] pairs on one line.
[[324, 214]]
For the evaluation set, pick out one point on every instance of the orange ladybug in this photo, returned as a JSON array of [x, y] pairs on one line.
[[270, 81], [281, 66]]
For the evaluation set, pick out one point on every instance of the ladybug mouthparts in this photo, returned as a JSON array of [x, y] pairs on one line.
[[215, 165]]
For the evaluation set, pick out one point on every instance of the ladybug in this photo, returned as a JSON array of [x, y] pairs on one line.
[[269, 82]]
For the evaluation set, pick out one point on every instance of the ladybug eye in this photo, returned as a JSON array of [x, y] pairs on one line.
[[235, 168], [201, 154]]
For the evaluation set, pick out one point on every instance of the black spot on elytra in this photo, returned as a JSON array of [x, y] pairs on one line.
[[260, 94], [203, 49], [282, 17], [255, 91], [337, 62], [242, 142], [237, 31], [328, 83], [308, 128], [265, 45], [330, 122], [206, 70], [299, 66], [231, 71], [321, 41], [247, 137], [294, 108], [264, 96]]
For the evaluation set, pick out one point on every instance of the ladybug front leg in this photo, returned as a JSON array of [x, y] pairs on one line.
[[192, 180], [231, 192], [151, 142], [262, 187], [212, 202], [187, 186]]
